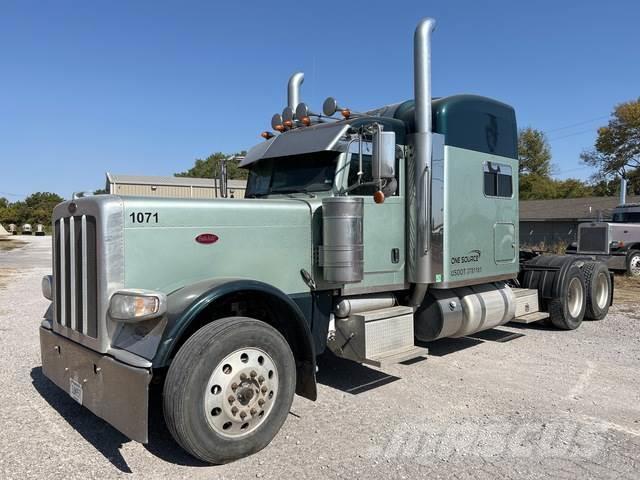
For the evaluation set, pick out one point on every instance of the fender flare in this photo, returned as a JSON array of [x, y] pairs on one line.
[[547, 273], [185, 305]]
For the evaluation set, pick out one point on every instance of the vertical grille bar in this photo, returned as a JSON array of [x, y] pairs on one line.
[[62, 271], [56, 269], [84, 276], [72, 272], [91, 274], [76, 275]]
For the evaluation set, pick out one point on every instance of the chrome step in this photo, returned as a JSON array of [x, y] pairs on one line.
[[531, 317], [397, 357]]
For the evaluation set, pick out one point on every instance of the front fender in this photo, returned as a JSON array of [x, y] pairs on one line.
[[186, 304]]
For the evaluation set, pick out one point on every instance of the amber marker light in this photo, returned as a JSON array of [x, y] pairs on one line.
[[378, 197], [280, 128], [288, 123], [306, 121], [346, 113], [266, 135]]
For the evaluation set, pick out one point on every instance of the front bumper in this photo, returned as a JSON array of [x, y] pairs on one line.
[[116, 392]]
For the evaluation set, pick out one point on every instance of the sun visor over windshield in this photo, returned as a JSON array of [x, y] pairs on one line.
[[318, 138]]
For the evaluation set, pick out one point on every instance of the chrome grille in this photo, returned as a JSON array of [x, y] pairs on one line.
[[593, 239], [75, 271]]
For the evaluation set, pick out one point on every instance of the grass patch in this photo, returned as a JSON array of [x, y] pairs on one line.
[[10, 243], [626, 289], [5, 276]]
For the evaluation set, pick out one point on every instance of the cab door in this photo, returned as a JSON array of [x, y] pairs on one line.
[[384, 227]]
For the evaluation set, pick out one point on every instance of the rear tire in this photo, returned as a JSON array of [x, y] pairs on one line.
[[598, 288], [633, 263], [229, 389], [567, 311]]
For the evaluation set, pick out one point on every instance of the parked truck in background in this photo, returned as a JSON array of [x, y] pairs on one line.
[[369, 235], [616, 243]]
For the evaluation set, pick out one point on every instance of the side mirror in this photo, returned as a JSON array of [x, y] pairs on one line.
[[383, 158]]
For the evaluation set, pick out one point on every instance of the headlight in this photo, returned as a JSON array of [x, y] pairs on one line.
[[137, 305], [47, 289]]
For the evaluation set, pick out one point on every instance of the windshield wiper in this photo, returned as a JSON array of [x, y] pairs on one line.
[[287, 191]]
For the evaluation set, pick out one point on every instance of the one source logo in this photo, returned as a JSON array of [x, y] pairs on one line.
[[471, 257], [207, 238]]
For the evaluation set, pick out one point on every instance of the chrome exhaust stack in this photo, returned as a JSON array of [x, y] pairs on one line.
[[623, 190], [293, 90], [419, 268]]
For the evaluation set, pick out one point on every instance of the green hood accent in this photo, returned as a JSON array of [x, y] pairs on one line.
[[268, 240]]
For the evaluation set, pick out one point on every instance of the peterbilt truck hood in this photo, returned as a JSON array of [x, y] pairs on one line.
[[169, 243]]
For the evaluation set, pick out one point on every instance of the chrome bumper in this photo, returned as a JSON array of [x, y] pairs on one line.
[[116, 392]]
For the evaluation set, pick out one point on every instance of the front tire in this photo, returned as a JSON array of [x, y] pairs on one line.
[[633, 263], [229, 389]]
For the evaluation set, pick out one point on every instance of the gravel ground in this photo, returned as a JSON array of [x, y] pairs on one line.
[[515, 402]]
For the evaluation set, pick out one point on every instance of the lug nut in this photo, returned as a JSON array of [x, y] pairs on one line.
[[253, 373], [253, 411], [243, 376], [264, 389], [260, 379], [261, 402], [231, 399], [243, 414], [234, 386], [234, 410]]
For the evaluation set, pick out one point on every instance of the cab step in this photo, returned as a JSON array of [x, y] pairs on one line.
[[397, 357], [527, 306], [376, 337], [531, 317]]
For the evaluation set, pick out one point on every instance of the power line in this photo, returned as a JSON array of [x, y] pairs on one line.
[[581, 132], [572, 170], [13, 194], [584, 122]]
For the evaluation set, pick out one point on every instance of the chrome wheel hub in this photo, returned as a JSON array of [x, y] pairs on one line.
[[602, 290], [241, 392], [634, 266], [575, 297]]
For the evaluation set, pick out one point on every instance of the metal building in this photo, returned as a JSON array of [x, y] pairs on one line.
[[552, 222], [172, 187]]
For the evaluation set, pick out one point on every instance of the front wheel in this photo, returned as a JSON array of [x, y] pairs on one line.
[[633, 263], [229, 389]]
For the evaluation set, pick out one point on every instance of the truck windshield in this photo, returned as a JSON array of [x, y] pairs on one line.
[[626, 217], [310, 172]]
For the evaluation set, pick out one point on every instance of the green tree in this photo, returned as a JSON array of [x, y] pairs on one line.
[[534, 153], [210, 167], [617, 148], [572, 188], [536, 187], [36, 208]]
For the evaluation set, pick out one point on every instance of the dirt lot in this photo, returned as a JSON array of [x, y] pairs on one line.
[[515, 402]]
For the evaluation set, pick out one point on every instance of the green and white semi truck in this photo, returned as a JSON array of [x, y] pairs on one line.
[[368, 235]]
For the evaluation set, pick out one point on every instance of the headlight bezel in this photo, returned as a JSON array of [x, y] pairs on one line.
[[46, 285], [118, 313]]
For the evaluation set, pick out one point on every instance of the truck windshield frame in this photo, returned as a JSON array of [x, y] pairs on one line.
[[625, 217], [305, 173]]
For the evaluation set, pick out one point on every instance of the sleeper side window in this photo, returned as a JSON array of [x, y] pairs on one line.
[[498, 180]]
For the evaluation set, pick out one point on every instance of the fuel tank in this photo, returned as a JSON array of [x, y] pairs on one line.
[[463, 311]]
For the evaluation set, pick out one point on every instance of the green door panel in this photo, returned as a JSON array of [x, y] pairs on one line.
[[504, 242]]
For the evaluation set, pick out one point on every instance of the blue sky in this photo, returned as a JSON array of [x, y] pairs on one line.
[[146, 87]]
